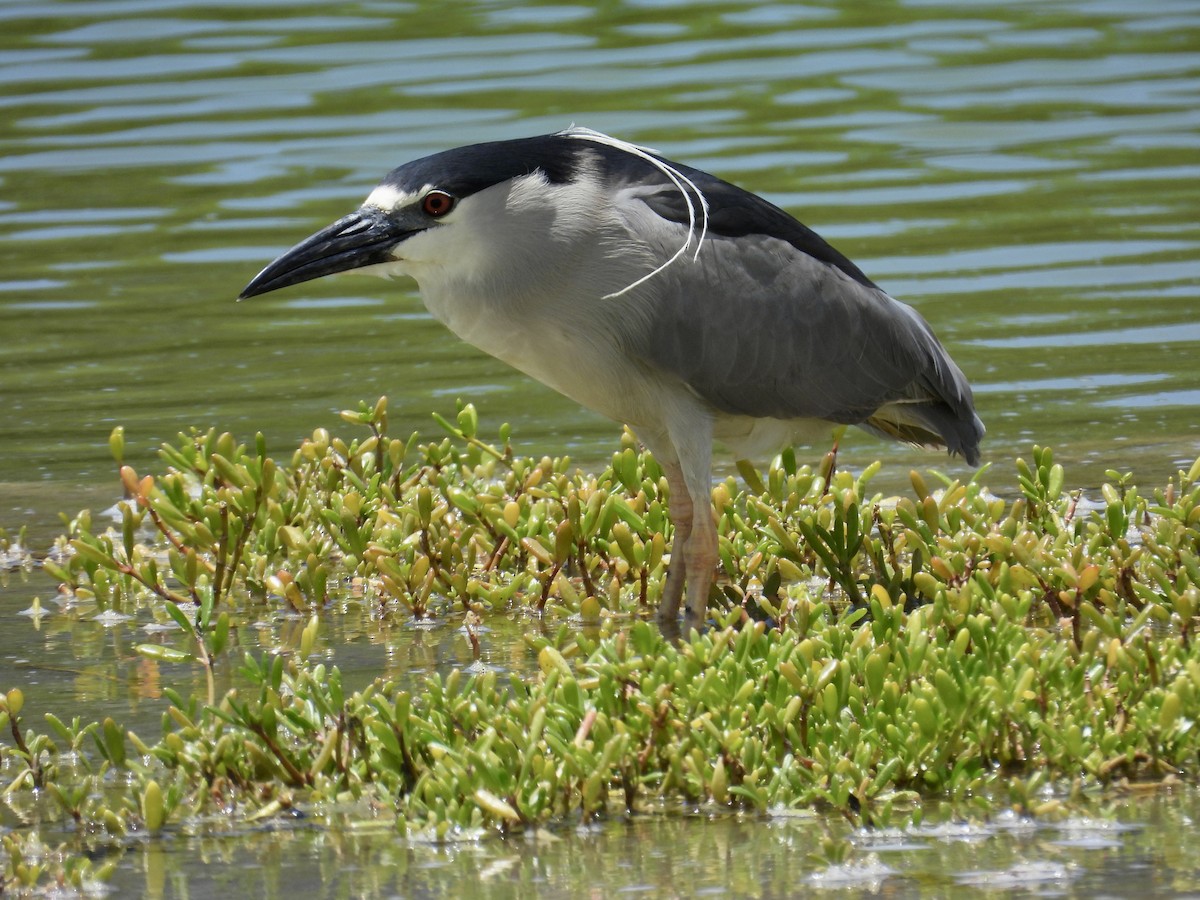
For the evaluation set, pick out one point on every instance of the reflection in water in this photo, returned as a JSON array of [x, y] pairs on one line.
[[688, 853]]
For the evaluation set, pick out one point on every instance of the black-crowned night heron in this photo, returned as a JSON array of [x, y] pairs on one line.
[[659, 296]]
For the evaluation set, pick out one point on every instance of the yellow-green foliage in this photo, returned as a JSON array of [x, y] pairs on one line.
[[989, 651]]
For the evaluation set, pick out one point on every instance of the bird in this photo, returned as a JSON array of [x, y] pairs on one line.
[[658, 295]]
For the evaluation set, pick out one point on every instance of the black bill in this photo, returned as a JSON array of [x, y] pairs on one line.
[[363, 238]]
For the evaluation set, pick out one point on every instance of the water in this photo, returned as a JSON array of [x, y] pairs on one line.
[[696, 856], [1026, 174]]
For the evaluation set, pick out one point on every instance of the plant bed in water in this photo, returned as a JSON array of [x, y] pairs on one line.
[[866, 656]]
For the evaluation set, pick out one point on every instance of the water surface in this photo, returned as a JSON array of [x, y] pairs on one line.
[[1026, 174]]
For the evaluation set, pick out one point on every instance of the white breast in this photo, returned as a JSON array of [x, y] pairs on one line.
[[524, 275]]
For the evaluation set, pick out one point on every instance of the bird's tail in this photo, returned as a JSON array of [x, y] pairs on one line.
[[930, 424]]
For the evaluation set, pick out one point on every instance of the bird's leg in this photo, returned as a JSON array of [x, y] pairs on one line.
[[701, 559], [685, 453], [680, 505], [693, 445]]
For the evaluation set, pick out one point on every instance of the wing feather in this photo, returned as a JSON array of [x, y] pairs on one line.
[[770, 320], [760, 328]]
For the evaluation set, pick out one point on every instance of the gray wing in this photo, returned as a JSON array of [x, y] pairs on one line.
[[780, 324]]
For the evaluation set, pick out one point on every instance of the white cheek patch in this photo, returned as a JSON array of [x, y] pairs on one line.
[[389, 198]]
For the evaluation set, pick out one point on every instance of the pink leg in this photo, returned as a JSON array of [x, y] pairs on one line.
[[684, 450], [701, 557], [694, 550], [680, 506]]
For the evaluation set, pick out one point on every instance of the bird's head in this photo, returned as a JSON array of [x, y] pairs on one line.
[[473, 211]]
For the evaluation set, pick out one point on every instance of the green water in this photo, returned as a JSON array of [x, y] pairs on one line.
[[1026, 174], [681, 855]]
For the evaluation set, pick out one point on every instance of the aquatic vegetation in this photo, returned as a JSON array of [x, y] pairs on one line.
[[867, 654]]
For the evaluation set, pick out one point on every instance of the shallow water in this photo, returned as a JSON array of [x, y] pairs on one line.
[[1024, 173], [703, 855]]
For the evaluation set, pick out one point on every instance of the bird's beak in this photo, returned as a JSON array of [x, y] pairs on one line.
[[363, 238]]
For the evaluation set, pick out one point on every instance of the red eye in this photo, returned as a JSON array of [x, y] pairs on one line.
[[437, 204]]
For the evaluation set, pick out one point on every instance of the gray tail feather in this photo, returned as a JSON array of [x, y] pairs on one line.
[[930, 425]]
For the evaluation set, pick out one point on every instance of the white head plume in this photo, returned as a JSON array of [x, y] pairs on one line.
[[677, 178]]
